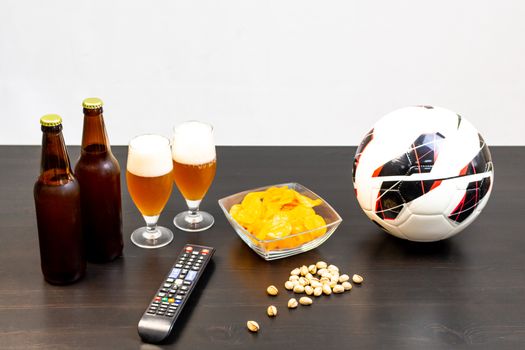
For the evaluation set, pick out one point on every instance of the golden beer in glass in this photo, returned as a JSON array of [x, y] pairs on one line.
[[194, 166], [150, 181]]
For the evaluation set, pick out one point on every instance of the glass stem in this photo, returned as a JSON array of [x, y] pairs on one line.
[[193, 216], [151, 227]]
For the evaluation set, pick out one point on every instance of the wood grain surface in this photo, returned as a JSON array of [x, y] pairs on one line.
[[468, 290]]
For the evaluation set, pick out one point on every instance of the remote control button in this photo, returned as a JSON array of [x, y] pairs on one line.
[[187, 266], [178, 265], [195, 268], [205, 251], [178, 282], [184, 271], [157, 298], [195, 253], [164, 299], [169, 315], [184, 255], [151, 312], [181, 293], [190, 277], [184, 288], [174, 273], [167, 285], [187, 283], [182, 276], [173, 291], [197, 265], [170, 295], [161, 294], [189, 249], [170, 280], [171, 300]]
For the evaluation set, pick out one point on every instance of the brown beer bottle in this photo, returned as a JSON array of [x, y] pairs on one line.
[[58, 213], [98, 173]]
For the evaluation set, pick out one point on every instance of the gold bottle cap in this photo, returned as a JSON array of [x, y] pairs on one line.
[[51, 120], [92, 103]]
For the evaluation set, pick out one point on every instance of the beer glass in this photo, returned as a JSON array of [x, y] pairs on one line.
[[194, 164], [149, 178]]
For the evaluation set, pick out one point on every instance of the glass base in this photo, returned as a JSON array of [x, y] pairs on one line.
[[186, 221], [143, 238]]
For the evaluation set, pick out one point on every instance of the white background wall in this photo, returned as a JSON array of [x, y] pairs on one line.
[[263, 72]]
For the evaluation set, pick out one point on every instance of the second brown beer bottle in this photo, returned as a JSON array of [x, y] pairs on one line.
[[98, 174]]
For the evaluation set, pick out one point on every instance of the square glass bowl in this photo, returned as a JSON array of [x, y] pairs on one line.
[[289, 245]]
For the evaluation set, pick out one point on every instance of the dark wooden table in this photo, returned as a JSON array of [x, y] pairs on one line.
[[466, 290]]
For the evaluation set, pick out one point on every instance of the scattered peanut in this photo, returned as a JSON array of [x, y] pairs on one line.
[[271, 311], [347, 285], [305, 301], [338, 289], [298, 288], [309, 290], [326, 289], [292, 303], [357, 279], [288, 285], [315, 283], [333, 268], [318, 291], [343, 278], [304, 270], [321, 265], [324, 280], [272, 290], [295, 272], [312, 269], [252, 326]]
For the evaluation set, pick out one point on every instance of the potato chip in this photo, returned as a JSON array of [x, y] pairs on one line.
[[307, 202], [277, 213]]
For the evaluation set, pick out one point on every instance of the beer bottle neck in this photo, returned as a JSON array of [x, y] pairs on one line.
[[94, 137], [54, 166]]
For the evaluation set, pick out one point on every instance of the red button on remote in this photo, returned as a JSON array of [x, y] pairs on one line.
[[205, 251], [189, 249]]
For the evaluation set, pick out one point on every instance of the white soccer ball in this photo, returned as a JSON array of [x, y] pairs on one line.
[[423, 173]]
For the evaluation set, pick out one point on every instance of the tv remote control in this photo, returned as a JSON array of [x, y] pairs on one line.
[[167, 304]]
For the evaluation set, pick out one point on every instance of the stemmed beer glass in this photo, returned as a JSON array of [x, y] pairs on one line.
[[194, 165], [149, 178]]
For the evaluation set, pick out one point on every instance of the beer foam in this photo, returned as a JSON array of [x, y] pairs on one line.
[[193, 143], [149, 156]]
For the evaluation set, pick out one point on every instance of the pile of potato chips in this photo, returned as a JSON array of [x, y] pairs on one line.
[[277, 213]]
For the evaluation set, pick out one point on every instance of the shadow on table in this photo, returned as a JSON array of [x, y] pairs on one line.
[[384, 245]]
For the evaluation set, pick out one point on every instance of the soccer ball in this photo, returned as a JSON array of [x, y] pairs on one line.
[[423, 173]]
